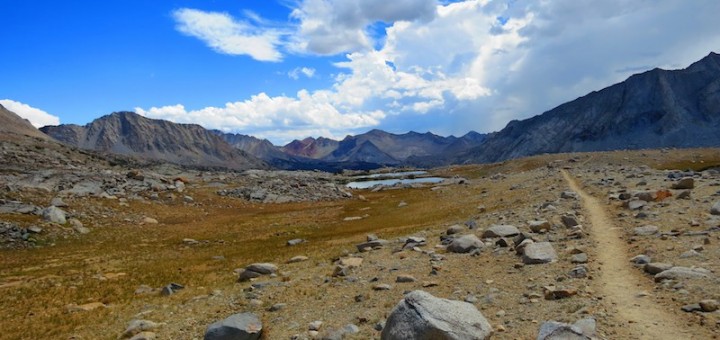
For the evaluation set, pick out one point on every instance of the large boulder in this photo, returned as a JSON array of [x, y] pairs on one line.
[[243, 326], [540, 252], [465, 244], [422, 316]]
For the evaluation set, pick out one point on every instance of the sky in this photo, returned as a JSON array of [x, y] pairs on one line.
[[290, 69]]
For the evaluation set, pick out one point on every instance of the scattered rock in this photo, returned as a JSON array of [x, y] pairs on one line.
[[569, 221], [150, 220], [243, 326], [539, 226], [684, 183], [54, 214], [455, 229], [675, 273], [579, 258], [569, 195], [538, 253], [646, 230], [405, 279], [137, 326], [419, 315], [465, 244], [709, 305], [582, 330], [715, 210], [295, 241], [371, 245], [298, 258], [171, 289], [656, 267], [502, 230], [256, 270]]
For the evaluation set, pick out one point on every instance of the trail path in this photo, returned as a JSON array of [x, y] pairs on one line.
[[619, 282]]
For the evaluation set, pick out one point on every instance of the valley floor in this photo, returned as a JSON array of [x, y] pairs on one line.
[[91, 286]]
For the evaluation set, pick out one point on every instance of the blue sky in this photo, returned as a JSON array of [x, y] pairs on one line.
[[295, 68]]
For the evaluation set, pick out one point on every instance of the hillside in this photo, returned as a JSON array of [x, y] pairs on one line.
[[130, 134]]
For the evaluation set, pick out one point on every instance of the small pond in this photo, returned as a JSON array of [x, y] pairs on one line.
[[393, 178]]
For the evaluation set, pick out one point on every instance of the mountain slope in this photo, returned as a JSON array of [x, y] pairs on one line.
[[260, 148], [11, 123], [658, 108], [128, 133]]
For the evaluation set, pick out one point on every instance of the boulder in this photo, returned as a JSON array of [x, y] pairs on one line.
[[422, 316], [243, 326], [54, 214], [539, 252], [684, 183], [263, 268], [569, 220], [465, 244], [675, 273], [539, 226], [455, 229], [501, 230], [656, 267], [715, 210], [295, 241]]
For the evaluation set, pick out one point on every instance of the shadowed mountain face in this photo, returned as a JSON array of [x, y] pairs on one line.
[[11, 123], [127, 133], [658, 108]]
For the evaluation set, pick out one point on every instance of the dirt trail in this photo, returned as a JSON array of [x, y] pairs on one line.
[[619, 282]]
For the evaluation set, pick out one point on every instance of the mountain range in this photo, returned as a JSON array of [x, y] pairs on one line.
[[657, 108]]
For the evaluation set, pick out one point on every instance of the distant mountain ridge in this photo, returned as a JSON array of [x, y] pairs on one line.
[[128, 133], [654, 109]]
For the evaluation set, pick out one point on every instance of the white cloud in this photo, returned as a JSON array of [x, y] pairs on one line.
[[472, 64], [298, 71], [226, 35], [38, 118], [330, 27]]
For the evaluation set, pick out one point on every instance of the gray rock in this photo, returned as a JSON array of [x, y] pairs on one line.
[[569, 220], [246, 275], [646, 230], [299, 258], [34, 229], [684, 183], [54, 214], [501, 230], [455, 229], [657, 267], [465, 244], [374, 244], [569, 195], [78, 226], [579, 258], [641, 259], [540, 252], [553, 330], [58, 202], [137, 326], [636, 204], [171, 289], [578, 272], [405, 279], [539, 226], [422, 316], [675, 273], [263, 268], [709, 305], [243, 326], [715, 210], [295, 241]]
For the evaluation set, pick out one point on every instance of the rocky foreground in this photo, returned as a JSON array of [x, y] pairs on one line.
[[512, 250]]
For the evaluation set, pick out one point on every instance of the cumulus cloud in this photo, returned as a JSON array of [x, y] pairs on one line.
[[473, 64], [329, 27], [224, 34], [304, 71], [38, 118]]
